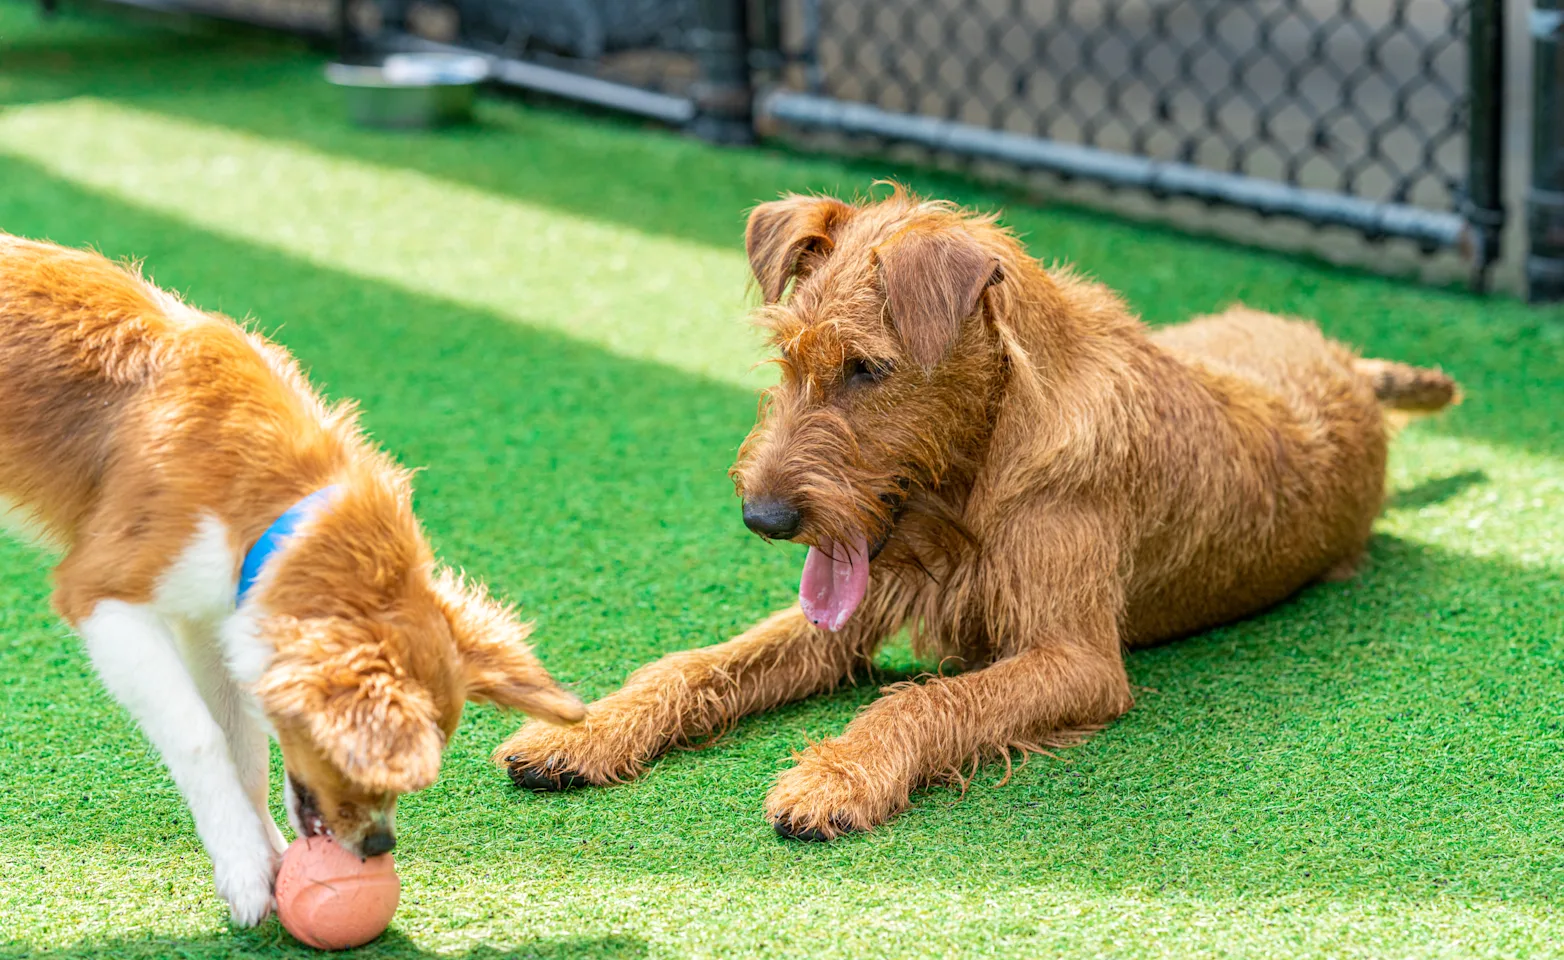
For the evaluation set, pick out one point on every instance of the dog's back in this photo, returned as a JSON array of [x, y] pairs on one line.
[[1291, 477], [77, 336], [1291, 357], [96, 362]]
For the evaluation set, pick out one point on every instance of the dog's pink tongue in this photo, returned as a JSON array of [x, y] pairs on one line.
[[835, 578]]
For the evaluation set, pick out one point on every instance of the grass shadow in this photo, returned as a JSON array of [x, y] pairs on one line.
[[1378, 739], [270, 942], [1435, 491]]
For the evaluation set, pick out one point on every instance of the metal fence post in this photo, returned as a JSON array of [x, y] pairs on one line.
[[724, 97], [343, 26], [766, 46], [1545, 199], [1483, 205]]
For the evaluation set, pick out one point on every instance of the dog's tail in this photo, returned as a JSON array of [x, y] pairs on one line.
[[1401, 386]]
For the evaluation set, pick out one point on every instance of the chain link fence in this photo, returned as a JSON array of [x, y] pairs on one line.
[[1365, 99], [1381, 116], [1378, 117]]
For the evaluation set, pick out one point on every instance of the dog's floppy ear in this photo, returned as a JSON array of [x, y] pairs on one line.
[[373, 723], [932, 280], [497, 663], [781, 232]]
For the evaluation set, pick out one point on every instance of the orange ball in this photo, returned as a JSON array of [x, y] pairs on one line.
[[330, 899]]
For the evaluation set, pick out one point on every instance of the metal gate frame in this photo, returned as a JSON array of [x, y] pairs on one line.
[[1545, 198]]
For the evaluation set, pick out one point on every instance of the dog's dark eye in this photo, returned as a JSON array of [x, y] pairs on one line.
[[860, 372]]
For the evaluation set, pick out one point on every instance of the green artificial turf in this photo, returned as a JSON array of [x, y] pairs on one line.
[[544, 311]]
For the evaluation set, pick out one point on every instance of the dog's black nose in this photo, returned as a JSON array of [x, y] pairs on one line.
[[381, 841], [772, 518]]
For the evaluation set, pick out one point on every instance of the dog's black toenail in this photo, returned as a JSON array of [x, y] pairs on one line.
[[786, 829], [544, 780]]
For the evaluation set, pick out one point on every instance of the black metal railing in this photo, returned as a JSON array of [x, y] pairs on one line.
[[1381, 116], [1545, 199]]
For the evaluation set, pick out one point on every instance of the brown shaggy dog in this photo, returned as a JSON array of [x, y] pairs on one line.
[[1002, 460]]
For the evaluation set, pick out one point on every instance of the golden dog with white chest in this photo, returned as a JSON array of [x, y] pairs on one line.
[[239, 561]]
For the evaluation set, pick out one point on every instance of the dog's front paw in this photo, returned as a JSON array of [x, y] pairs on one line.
[[542, 756], [830, 794], [247, 883], [550, 776]]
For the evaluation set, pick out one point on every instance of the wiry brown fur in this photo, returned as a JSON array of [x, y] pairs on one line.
[[1051, 481], [126, 417]]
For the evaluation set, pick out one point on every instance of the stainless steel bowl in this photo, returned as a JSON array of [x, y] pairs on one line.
[[411, 90]]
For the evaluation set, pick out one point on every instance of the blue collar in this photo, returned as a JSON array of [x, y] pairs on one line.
[[281, 529]]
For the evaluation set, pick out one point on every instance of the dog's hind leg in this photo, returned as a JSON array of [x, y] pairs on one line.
[[921, 733], [687, 697]]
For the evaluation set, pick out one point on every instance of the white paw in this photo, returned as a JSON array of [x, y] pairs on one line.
[[246, 883]]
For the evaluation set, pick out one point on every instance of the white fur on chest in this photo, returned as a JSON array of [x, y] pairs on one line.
[[197, 591], [198, 586]]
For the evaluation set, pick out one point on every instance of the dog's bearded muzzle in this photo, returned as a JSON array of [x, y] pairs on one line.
[[785, 518], [835, 577], [807, 478]]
